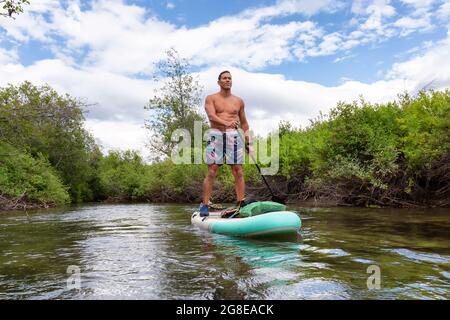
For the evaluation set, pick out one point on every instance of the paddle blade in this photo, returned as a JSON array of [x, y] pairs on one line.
[[281, 200]]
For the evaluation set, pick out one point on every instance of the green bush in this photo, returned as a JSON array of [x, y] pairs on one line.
[[121, 174], [21, 175], [425, 127], [390, 146]]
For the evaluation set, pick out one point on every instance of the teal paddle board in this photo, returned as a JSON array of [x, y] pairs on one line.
[[267, 224]]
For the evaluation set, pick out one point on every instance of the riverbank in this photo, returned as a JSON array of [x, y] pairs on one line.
[[21, 204], [8, 203]]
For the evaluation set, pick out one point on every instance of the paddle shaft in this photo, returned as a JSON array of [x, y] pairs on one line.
[[262, 176], [259, 169]]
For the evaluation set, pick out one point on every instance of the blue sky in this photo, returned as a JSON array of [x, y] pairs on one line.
[[194, 13], [290, 59]]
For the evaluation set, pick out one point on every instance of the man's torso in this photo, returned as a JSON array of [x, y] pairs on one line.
[[227, 109]]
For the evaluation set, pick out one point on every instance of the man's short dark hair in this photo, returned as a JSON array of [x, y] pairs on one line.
[[220, 75]]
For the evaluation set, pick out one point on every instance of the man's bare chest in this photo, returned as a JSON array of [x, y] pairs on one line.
[[227, 106]]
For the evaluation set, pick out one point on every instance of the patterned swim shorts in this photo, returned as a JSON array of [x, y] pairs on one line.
[[226, 146]]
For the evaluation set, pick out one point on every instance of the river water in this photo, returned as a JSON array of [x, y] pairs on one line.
[[152, 252]]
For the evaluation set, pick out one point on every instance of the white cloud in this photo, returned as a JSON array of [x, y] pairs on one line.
[[115, 97], [418, 3], [170, 5], [8, 56], [444, 11], [330, 44], [378, 8], [419, 49], [372, 22], [343, 58], [240, 43], [31, 24], [427, 68], [116, 135], [377, 12], [289, 7], [378, 20], [409, 25]]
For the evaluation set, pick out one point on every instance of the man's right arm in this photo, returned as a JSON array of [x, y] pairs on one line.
[[211, 112]]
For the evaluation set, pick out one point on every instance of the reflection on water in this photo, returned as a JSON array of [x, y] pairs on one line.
[[152, 252]]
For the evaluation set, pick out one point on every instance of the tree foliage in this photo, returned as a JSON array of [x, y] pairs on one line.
[[175, 104], [44, 123], [12, 7]]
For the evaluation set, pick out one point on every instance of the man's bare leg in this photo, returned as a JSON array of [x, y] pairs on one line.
[[208, 182], [239, 183]]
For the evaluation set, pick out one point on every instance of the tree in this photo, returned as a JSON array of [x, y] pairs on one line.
[[175, 104], [11, 7], [46, 124]]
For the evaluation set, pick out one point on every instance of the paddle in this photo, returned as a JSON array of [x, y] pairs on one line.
[[274, 197]]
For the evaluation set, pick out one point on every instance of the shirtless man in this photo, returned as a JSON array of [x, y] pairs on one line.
[[224, 144]]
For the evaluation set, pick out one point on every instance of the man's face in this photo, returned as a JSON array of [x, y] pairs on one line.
[[225, 81]]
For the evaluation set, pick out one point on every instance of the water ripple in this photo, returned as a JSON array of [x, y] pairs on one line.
[[421, 256]]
